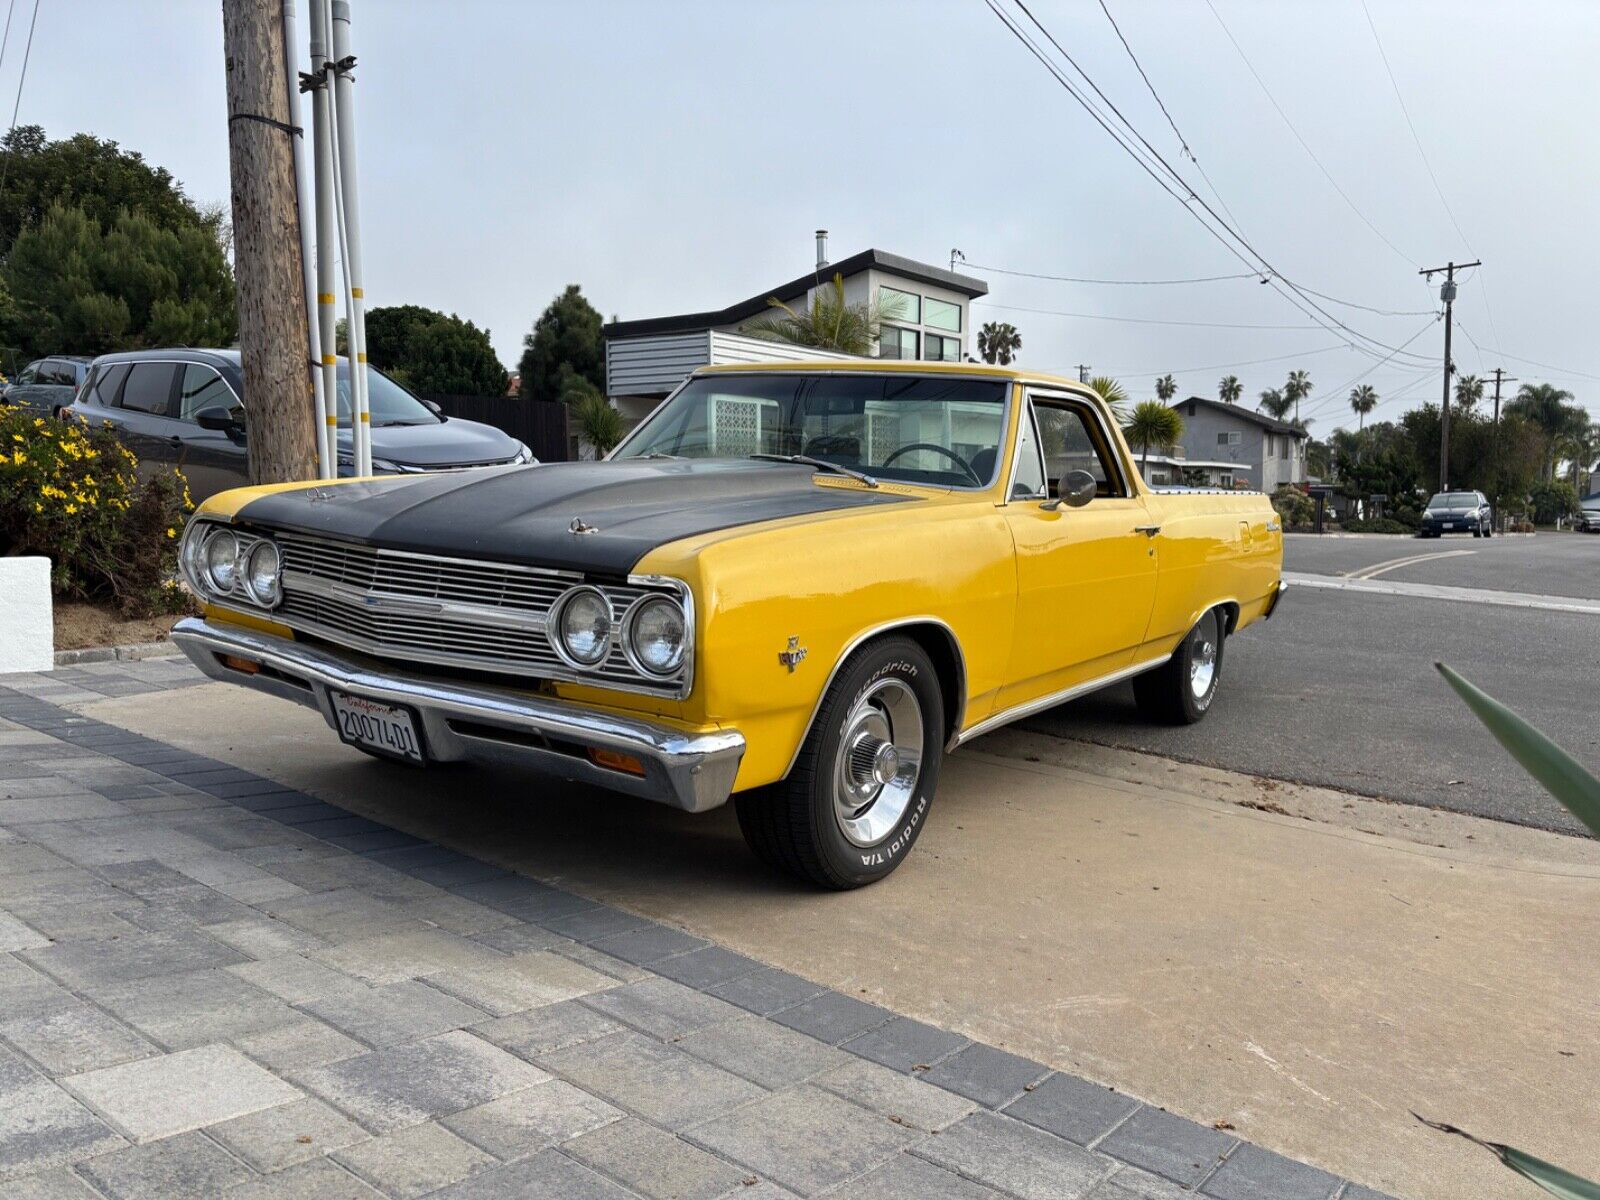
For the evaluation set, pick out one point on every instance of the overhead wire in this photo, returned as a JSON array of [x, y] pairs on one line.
[[1113, 282], [27, 52], [1251, 362], [1056, 312], [1338, 392]]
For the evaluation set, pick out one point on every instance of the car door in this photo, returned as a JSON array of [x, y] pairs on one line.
[[1086, 577], [210, 459], [24, 390], [143, 416]]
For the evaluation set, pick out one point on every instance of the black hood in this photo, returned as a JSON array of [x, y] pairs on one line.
[[452, 443], [525, 514]]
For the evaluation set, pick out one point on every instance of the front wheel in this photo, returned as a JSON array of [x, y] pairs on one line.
[[858, 796], [1180, 691]]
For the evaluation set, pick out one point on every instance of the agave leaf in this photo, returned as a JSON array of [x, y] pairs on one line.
[[1550, 1177], [1561, 774]]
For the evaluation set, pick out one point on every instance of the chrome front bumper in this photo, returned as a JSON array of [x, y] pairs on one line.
[[692, 771]]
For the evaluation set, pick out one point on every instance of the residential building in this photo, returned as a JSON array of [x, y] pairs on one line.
[[1270, 452], [1178, 470], [926, 316]]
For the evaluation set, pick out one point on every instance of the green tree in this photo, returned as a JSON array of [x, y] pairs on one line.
[[564, 344], [85, 288], [1552, 498], [1551, 411], [1469, 390], [1113, 393], [1363, 400], [1152, 424], [828, 322], [433, 353], [998, 342], [598, 423], [96, 176], [1166, 389], [1275, 403], [1296, 389], [1229, 389]]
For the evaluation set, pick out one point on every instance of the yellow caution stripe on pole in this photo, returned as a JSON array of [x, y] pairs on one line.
[[329, 360], [324, 297], [358, 293], [361, 357], [366, 417]]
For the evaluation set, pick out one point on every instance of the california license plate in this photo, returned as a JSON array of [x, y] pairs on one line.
[[384, 728], [1449, 524]]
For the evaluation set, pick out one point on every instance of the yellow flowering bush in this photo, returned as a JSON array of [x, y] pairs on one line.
[[74, 494]]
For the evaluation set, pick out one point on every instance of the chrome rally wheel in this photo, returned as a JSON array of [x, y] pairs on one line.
[[878, 762]]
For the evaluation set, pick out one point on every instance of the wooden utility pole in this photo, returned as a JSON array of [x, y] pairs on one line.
[[1448, 294], [1500, 377], [266, 245]]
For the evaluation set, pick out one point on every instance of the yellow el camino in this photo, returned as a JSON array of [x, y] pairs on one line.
[[798, 586]]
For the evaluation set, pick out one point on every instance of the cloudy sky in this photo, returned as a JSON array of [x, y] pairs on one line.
[[678, 156]]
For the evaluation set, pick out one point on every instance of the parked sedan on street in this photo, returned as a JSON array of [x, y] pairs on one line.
[[47, 385], [1588, 518], [183, 408], [1457, 512]]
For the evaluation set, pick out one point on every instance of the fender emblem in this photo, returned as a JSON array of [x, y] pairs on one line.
[[793, 656], [579, 525]]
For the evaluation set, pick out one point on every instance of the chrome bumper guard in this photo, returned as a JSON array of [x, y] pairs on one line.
[[462, 720], [1274, 600]]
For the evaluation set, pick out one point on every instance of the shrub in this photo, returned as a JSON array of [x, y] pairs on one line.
[[1551, 499], [1294, 506], [73, 494], [1377, 525]]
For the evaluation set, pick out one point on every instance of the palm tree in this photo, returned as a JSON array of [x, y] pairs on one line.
[[1113, 393], [1296, 389], [1469, 390], [1230, 389], [1578, 446], [1153, 424], [1166, 389], [597, 422], [1363, 400], [1276, 403], [1549, 409], [828, 323], [998, 342]]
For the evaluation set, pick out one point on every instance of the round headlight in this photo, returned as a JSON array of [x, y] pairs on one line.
[[222, 560], [584, 627], [263, 574], [657, 635]]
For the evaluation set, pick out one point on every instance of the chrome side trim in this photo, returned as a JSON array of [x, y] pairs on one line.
[[856, 642], [691, 771], [1018, 712]]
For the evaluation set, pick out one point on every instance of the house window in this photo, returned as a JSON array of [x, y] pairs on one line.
[[1283, 447], [943, 315], [900, 306], [1225, 479], [1230, 438], [942, 349], [894, 342]]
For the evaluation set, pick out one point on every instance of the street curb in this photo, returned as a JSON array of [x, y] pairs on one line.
[[130, 653]]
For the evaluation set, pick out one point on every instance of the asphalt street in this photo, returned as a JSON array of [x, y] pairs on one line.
[[1339, 690]]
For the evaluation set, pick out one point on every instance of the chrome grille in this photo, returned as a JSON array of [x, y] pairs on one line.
[[448, 612]]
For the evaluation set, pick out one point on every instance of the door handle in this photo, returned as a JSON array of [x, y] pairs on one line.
[[176, 441], [1147, 530]]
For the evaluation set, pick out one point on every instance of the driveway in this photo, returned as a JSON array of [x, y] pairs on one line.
[[1179, 933]]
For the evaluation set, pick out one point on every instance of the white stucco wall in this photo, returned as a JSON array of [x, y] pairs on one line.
[[27, 639]]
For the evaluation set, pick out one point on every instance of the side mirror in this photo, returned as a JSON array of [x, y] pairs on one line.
[[433, 407], [220, 420], [1075, 490]]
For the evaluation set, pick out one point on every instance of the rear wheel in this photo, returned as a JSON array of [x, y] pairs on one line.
[[858, 795], [1180, 691]]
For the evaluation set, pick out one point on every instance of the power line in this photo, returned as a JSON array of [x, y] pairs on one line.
[[1252, 362], [1338, 392], [1304, 145], [1144, 159], [27, 51], [1568, 372], [6, 39], [1382, 312], [1113, 282], [1055, 312]]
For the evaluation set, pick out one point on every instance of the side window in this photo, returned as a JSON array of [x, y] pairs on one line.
[[1029, 480], [202, 388], [1071, 442], [107, 383], [149, 389], [30, 374]]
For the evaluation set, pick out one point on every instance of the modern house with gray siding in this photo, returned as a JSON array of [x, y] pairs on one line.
[[926, 316], [1270, 452]]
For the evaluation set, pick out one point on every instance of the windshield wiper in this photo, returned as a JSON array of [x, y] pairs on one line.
[[660, 454], [821, 464]]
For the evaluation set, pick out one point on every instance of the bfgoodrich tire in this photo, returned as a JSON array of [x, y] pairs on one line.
[[859, 793], [1180, 691]]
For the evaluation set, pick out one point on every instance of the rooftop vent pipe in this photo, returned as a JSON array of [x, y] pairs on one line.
[[822, 248]]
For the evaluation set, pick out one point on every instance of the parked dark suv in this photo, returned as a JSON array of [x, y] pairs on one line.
[[1458, 512], [47, 385], [183, 408]]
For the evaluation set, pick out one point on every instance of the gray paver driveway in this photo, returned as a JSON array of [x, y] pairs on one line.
[[211, 985]]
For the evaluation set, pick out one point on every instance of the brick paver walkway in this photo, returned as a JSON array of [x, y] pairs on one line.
[[211, 985]]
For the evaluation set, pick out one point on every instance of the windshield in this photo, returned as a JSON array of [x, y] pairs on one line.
[[939, 430], [390, 403], [1454, 500]]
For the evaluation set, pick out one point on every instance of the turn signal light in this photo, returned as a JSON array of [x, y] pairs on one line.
[[615, 761], [234, 662]]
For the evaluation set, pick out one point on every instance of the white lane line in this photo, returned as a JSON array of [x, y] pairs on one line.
[[1394, 564], [1434, 591]]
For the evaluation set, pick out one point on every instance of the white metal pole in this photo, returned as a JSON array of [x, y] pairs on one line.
[[345, 133], [302, 188], [327, 233]]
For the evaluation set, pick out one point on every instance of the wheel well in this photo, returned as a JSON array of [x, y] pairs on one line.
[[1230, 617], [939, 644]]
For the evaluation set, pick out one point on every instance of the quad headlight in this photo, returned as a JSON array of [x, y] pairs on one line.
[[221, 560], [221, 564], [655, 635], [583, 626], [263, 574]]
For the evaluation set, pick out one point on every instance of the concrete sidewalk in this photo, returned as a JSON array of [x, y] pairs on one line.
[[1299, 967], [215, 985]]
